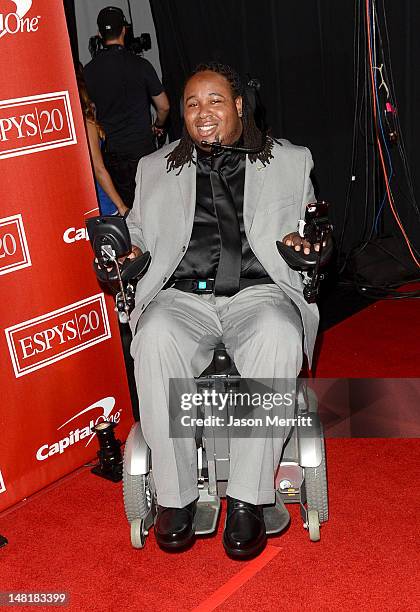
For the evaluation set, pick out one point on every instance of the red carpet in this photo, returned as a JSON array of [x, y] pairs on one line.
[[74, 537], [380, 341]]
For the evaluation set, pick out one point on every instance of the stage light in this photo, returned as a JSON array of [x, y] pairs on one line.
[[109, 453]]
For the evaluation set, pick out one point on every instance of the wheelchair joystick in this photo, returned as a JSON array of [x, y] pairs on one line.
[[316, 229]]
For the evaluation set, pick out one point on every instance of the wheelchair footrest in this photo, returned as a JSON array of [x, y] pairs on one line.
[[276, 517], [208, 509]]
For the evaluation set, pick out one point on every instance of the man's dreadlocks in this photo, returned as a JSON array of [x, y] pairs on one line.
[[253, 138]]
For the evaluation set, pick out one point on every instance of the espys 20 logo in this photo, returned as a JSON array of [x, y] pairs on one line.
[[16, 22], [36, 123], [56, 335]]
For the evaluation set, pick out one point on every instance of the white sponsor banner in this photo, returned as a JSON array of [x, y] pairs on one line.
[[14, 252], [56, 335], [36, 123]]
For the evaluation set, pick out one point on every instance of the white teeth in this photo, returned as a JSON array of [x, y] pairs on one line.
[[206, 128]]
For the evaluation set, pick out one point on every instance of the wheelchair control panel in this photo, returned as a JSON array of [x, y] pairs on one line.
[[110, 240], [315, 229]]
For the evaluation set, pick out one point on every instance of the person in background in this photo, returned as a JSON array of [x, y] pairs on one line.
[[122, 86], [110, 202]]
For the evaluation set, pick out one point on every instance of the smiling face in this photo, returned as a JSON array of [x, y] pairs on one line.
[[211, 112]]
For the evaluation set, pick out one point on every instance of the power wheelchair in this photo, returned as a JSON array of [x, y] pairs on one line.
[[301, 476]]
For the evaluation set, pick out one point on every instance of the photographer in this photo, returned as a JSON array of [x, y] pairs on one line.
[[122, 86]]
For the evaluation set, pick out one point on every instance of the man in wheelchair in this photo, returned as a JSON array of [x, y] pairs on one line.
[[210, 209]]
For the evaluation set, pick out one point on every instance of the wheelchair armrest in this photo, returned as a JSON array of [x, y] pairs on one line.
[[131, 269], [297, 260]]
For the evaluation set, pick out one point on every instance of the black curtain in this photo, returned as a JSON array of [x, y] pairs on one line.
[[70, 12], [306, 56]]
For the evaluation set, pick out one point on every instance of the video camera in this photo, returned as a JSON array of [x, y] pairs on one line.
[[135, 44]]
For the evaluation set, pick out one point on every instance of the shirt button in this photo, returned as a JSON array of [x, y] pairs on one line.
[[183, 249], [142, 306], [165, 279]]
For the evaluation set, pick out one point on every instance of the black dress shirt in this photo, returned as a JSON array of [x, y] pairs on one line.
[[202, 256]]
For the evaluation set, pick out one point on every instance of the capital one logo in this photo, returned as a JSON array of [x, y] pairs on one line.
[[44, 340], [17, 21], [73, 234], [14, 252], [76, 234], [78, 434]]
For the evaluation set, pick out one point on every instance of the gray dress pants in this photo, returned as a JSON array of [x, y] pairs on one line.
[[175, 338]]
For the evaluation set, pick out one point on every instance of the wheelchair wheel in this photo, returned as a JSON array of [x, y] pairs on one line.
[[316, 486], [138, 495], [138, 533], [313, 526]]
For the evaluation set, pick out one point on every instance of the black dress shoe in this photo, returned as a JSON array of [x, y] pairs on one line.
[[174, 527], [244, 534]]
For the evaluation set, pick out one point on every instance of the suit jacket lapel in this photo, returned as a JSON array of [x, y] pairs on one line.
[[254, 181]]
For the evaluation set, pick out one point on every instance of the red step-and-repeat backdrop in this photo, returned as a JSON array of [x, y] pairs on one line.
[[62, 368]]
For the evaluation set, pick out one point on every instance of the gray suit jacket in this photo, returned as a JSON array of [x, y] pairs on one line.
[[275, 198]]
